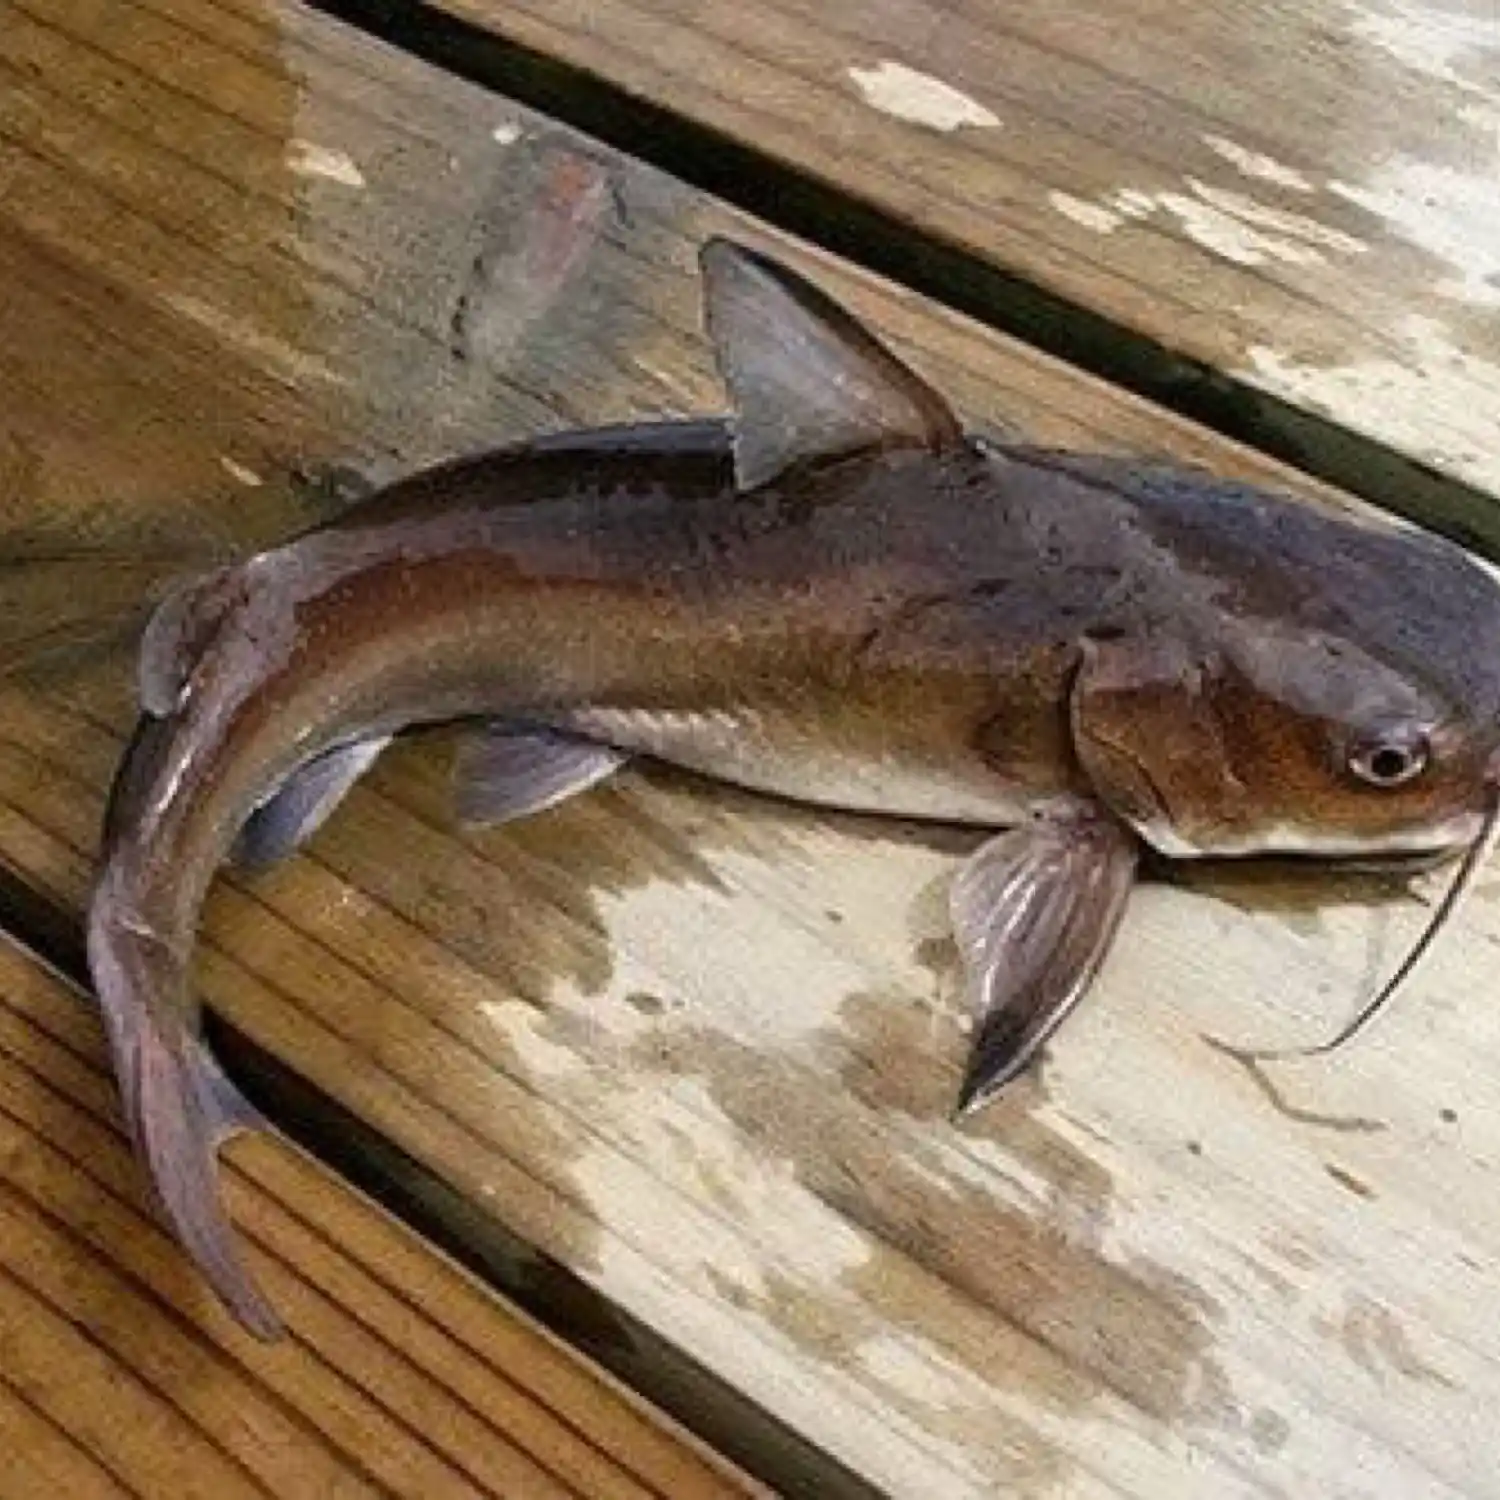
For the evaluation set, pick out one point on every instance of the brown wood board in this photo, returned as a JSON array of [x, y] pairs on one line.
[[1297, 198], [401, 1376], [696, 1046]]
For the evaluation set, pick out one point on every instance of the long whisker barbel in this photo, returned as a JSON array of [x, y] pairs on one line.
[[1479, 851]]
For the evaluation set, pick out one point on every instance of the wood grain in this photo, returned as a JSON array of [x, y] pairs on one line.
[[401, 1375], [697, 1046], [1299, 195]]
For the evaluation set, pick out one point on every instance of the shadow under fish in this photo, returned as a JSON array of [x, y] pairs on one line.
[[837, 596]]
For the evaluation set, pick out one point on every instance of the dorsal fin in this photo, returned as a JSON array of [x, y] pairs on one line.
[[806, 379], [176, 636]]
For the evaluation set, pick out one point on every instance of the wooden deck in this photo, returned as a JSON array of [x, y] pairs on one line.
[[696, 1048], [400, 1376], [1298, 199]]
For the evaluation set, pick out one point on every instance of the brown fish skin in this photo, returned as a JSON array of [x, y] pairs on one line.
[[839, 599]]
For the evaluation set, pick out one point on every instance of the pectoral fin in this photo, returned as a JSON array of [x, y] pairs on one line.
[[303, 803], [1034, 912], [502, 774]]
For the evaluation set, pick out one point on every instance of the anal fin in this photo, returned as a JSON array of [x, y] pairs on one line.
[[302, 804], [502, 773]]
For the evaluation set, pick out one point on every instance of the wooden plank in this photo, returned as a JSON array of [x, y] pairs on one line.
[[402, 1376], [698, 1047], [1297, 196]]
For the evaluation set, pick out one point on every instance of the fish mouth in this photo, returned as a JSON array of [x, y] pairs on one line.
[[1397, 849]]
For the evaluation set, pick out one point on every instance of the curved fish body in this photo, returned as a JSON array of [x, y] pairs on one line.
[[836, 597]]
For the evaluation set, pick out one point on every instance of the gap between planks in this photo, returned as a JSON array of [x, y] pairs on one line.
[[864, 233], [542, 1287], [399, 1377]]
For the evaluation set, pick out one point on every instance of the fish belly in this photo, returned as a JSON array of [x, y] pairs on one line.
[[766, 753]]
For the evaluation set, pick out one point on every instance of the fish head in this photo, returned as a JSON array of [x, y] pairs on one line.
[[1342, 726]]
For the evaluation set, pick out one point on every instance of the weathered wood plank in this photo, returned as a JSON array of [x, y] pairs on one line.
[[1301, 196], [699, 1047], [401, 1375]]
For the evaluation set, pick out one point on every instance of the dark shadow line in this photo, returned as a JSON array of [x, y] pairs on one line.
[[543, 1287], [882, 241]]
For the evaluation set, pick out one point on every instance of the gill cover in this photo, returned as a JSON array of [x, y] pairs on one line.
[[1149, 736]]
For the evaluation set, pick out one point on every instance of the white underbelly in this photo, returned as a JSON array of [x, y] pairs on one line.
[[745, 749]]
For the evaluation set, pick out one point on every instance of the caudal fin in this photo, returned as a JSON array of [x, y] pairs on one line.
[[179, 1106]]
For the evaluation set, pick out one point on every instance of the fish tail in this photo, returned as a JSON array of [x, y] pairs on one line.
[[179, 1105]]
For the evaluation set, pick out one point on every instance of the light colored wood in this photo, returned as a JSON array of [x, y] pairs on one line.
[[401, 1375], [698, 1046], [1302, 195]]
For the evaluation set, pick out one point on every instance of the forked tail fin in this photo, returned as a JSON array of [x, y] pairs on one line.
[[178, 1104]]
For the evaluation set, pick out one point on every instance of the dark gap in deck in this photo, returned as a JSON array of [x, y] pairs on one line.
[[868, 235], [633, 1352]]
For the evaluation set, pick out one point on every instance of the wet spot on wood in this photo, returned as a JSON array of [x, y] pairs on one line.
[[1297, 893], [900, 1055], [645, 1002], [1448, 1116], [1120, 1324], [1269, 1430], [520, 903], [939, 956]]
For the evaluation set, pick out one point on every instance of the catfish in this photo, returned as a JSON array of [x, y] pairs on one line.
[[838, 596]]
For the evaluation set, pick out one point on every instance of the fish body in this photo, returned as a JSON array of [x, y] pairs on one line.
[[836, 597]]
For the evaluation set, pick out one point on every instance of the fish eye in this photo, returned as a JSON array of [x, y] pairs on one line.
[[1390, 758]]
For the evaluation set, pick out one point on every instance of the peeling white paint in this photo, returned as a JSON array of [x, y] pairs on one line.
[[1429, 40], [1281, 220], [1133, 203], [1452, 215], [1231, 224], [247, 477], [1093, 216], [894, 89], [1435, 400], [1257, 164], [308, 159], [507, 133], [1232, 238]]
